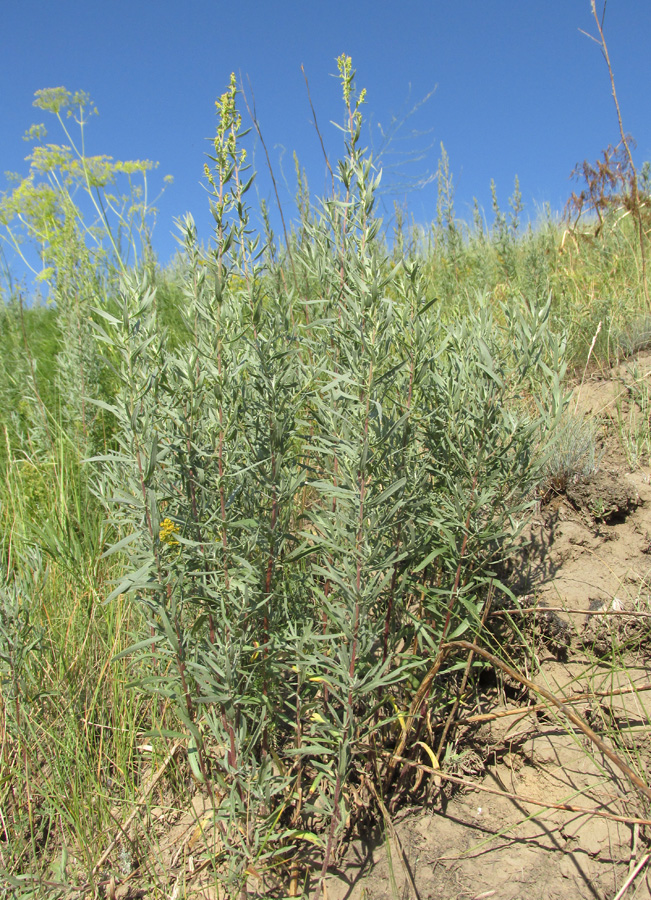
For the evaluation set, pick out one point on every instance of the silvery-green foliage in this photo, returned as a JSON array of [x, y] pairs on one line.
[[575, 450], [483, 444], [311, 491]]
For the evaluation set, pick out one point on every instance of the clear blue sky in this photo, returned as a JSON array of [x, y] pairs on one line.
[[517, 88]]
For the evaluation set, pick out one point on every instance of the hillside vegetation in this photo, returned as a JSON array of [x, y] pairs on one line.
[[255, 507]]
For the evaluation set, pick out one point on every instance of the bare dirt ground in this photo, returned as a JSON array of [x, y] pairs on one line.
[[586, 570]]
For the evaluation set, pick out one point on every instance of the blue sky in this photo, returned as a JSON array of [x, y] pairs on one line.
[[517, 89]]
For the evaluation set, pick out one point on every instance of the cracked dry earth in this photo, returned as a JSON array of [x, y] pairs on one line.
[[585, 581]]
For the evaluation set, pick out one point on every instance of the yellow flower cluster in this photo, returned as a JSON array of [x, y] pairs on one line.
[[167, 531]]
